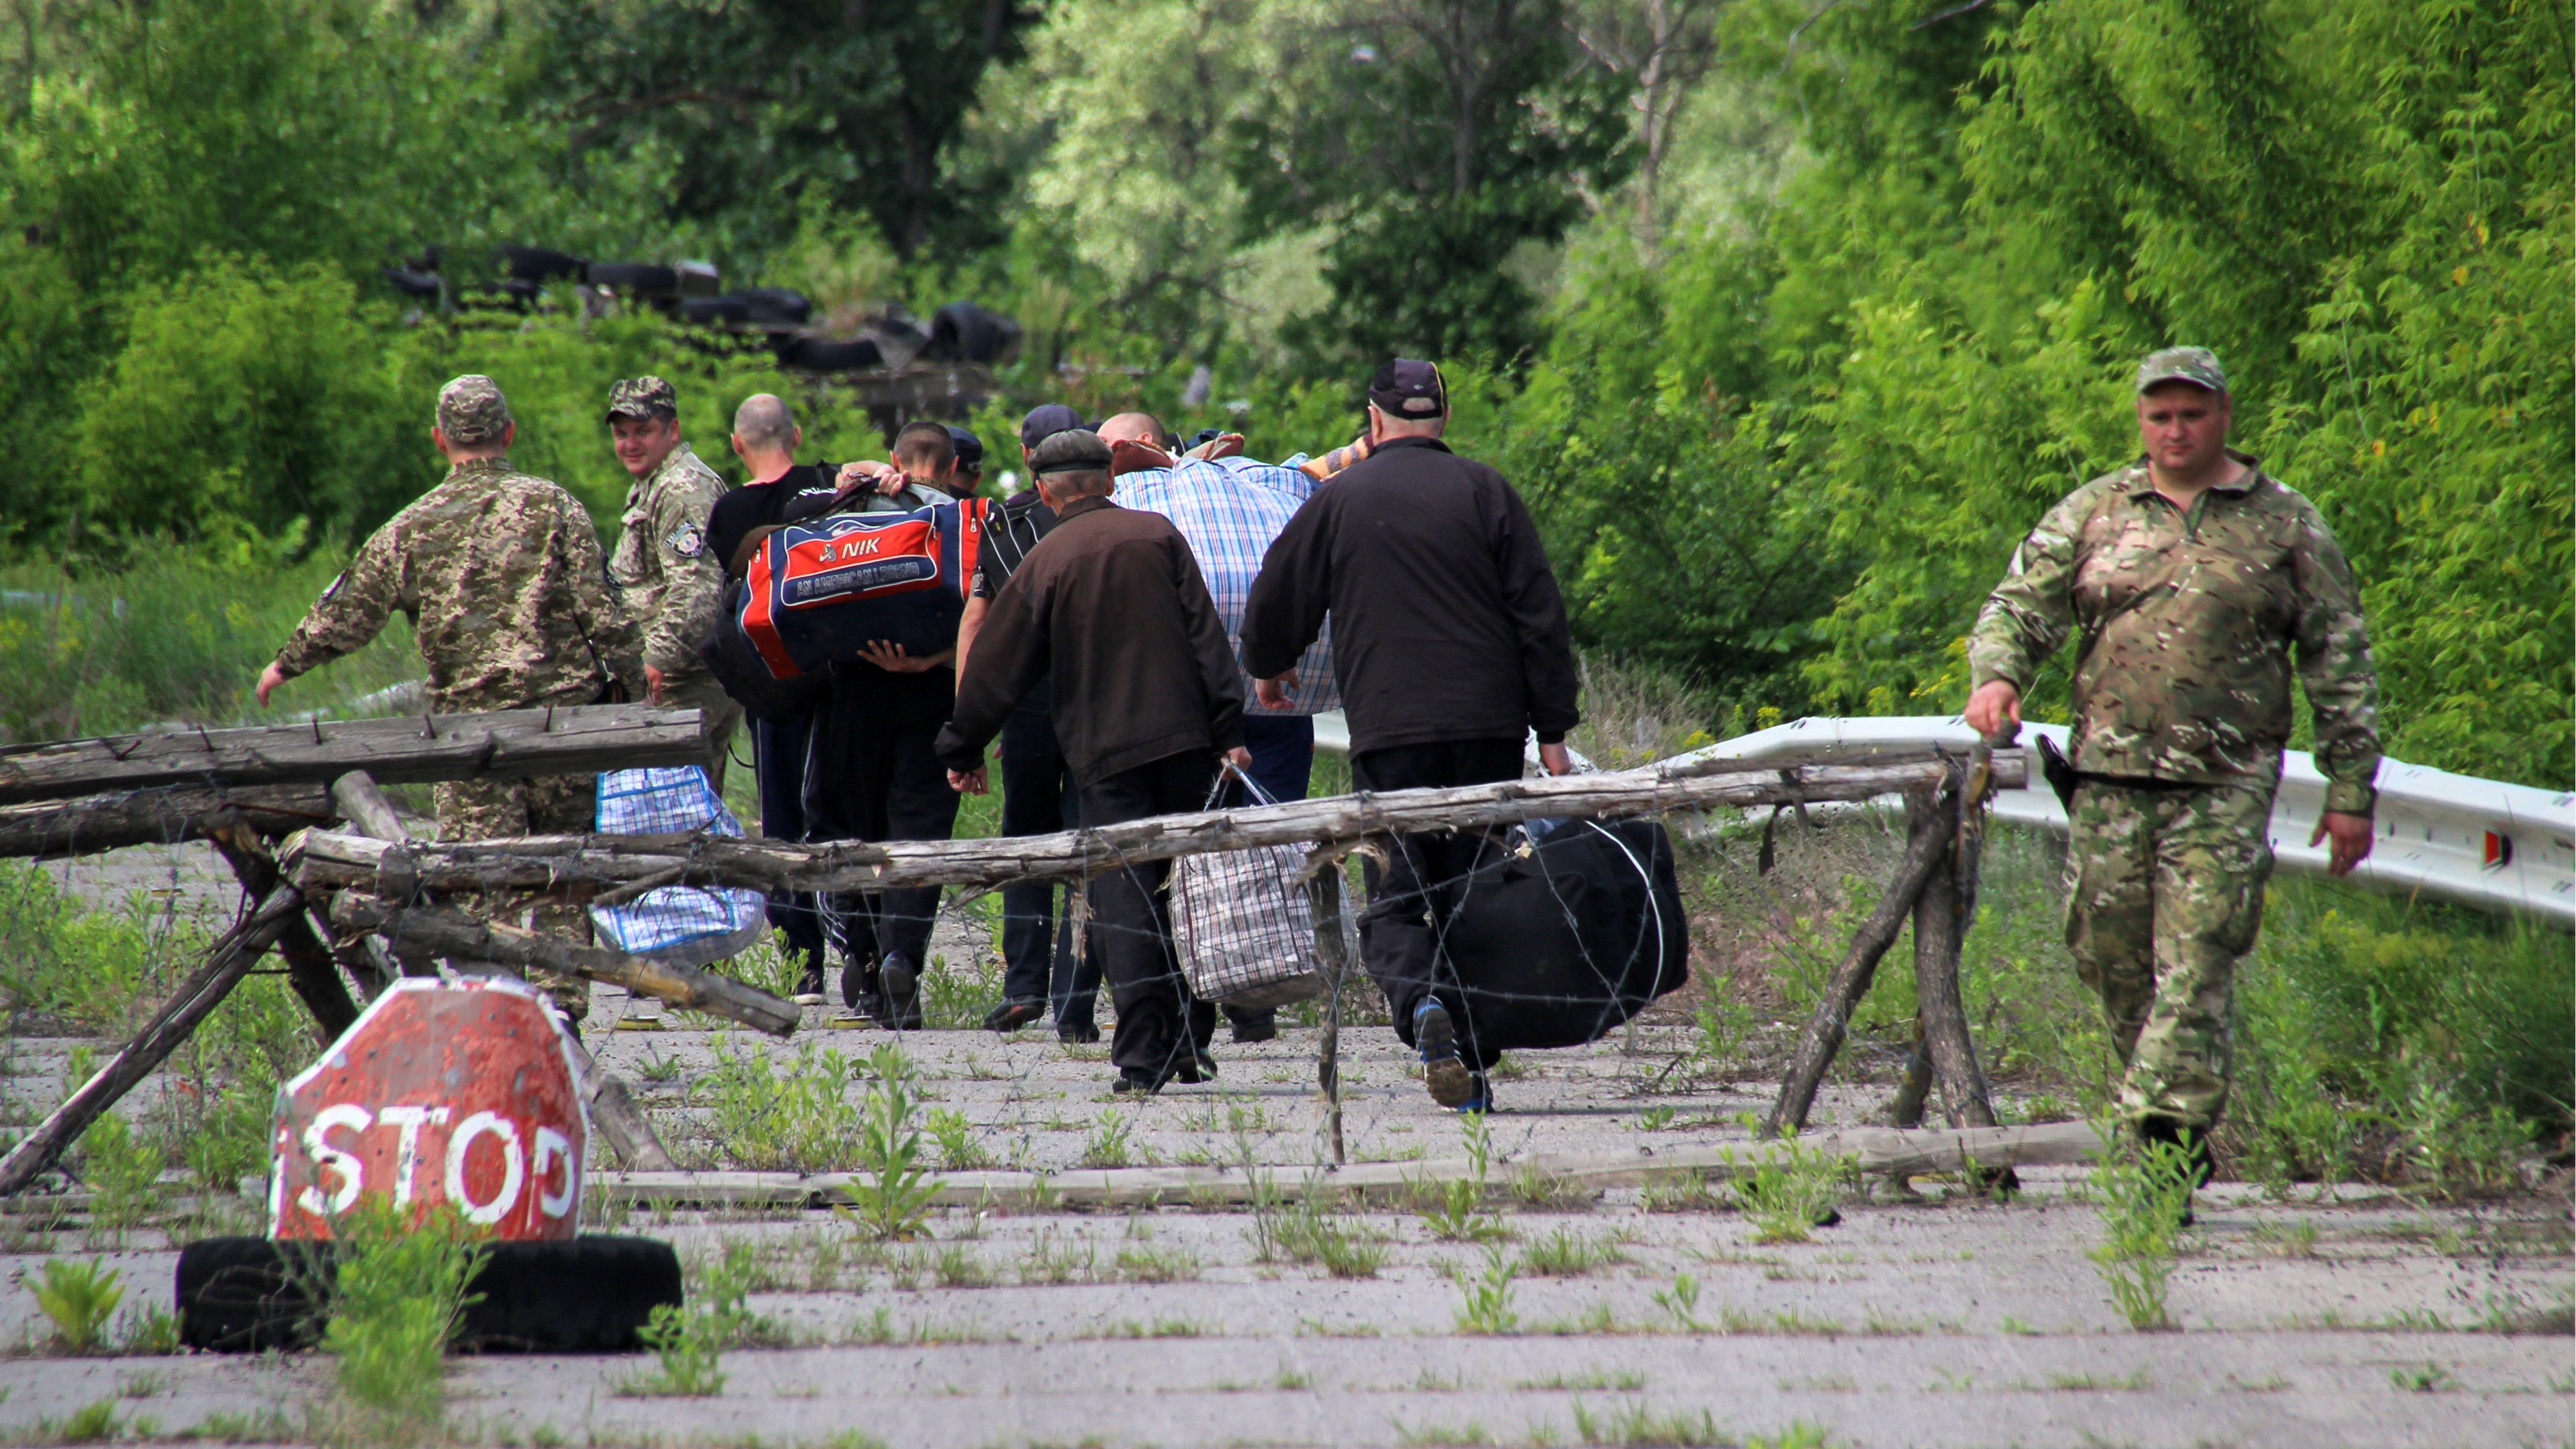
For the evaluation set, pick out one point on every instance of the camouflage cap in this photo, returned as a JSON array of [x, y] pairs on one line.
[[642, 397], [471, 410], [2195, 365]]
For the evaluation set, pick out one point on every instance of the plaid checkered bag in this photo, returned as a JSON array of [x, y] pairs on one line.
[[684, 925], [1241, 923]]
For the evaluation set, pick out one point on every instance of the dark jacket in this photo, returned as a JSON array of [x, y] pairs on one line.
[[1447, 624], [1112, 603]]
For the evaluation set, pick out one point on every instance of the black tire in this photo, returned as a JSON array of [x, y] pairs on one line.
[[777, 304], [588, 1295], [423, 285], [825, 354], [709, 311], [965, 332], [536, 264], [636, 279]]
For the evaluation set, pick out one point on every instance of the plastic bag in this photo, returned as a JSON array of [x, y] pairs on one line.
[[684, 925], [1242, 925]]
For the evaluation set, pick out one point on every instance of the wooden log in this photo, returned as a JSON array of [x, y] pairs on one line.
[[311, 973], [502, 744], [164, 815], [1926, 844], [582, 866], [614, 1111], [444, 931], [203, 990], [367, 808], [1937, 912], [1868, 1149], [1333, 957]]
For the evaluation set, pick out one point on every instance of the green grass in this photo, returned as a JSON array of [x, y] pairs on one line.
[[396, 1303]]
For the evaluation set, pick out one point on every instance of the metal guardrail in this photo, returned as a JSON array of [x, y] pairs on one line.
[[2451, 837]]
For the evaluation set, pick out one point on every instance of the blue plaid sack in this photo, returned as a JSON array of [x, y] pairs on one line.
[[684, 925]]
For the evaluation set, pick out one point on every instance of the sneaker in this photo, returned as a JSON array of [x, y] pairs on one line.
[[1480, 1096], [1447, 1078], [1133, 1083], [809, 987], [902, 994], [1012, 1015]]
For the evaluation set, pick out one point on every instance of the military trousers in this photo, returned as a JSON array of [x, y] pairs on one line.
[[2164, 896], [723, 717], [507, 809]]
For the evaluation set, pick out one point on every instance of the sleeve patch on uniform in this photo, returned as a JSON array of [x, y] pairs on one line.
[[688, 540]]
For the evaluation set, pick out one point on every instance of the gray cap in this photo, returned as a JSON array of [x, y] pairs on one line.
[[1075, 450], [2195, 365], [472, 411]]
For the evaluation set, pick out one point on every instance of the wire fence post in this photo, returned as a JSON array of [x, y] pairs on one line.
[[1333, 955]]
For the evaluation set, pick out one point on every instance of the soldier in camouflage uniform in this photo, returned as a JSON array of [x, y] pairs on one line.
[[500, 574], [2193, 578], [672, 580]]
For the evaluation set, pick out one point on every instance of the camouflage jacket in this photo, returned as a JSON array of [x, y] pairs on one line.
[[671, 579], [2188, 622], [500, 575]]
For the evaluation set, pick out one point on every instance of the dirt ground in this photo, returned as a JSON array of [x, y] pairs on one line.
[[1929, 1317]]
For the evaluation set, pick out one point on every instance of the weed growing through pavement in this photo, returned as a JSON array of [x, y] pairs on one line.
[[2429, 1378], [1454, 1208], [1681, 1301], [765, 1118], [1791, 1190], [894, 1200], [1051, 1261], [1485, 1299], [1310, 1235], [2288, 1240], [1107, 1146], [147, 1329], [395, 1304], [2144, 1189], [1626, 1381], [1656, 1119], [1689, 1192], [1156, 1265], [1567, 1254], [78, 1299], [961, 1149], [96, 1423], [123, 1171], [689, 1342]]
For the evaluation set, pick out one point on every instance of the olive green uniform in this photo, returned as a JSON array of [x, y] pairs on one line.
[[2187, 624], [501, 576], [673, 584]]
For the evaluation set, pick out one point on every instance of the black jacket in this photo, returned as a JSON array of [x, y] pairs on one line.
[[1112, 603], [1447, 624]]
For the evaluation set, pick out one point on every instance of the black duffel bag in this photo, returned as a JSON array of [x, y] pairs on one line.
[[745, 677], [1565, 930]]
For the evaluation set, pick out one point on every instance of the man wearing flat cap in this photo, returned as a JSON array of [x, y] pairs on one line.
[[670, 575], [1110, 608], [2193, 581], [499, 573], [1451, 643]]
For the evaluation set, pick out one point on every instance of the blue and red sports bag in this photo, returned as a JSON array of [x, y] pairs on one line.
[[821, 590]]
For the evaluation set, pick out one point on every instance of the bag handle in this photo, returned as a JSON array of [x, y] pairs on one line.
[[1216, 790]]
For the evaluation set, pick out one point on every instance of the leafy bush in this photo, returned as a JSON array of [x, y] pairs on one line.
[[78, 1299], [395, 1303]]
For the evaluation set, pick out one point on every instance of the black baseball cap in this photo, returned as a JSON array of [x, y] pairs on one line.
[[1045, 421], [1408, 387], [968, 448], [1069, 450]]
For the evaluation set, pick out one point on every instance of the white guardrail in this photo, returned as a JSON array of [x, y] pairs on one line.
[[2451, 837]]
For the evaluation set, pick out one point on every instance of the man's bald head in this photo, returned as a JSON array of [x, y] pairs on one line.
[[764, 422], [1133, 428]]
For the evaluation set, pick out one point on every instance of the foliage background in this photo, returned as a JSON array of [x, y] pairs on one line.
[[1787, 316]]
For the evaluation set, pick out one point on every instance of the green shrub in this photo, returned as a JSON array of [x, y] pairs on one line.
[[776, 1112], [78, 1299], [395, 1303]]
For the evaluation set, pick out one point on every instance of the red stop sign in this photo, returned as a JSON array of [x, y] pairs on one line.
[[442, 1092]]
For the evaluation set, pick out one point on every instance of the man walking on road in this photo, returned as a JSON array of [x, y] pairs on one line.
[[669, 574], [500, 574], [2193, 578], [1110, 606], [1451, 642]]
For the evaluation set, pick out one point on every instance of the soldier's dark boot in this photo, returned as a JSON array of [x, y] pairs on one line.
[[902, 987], [861, 991]]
